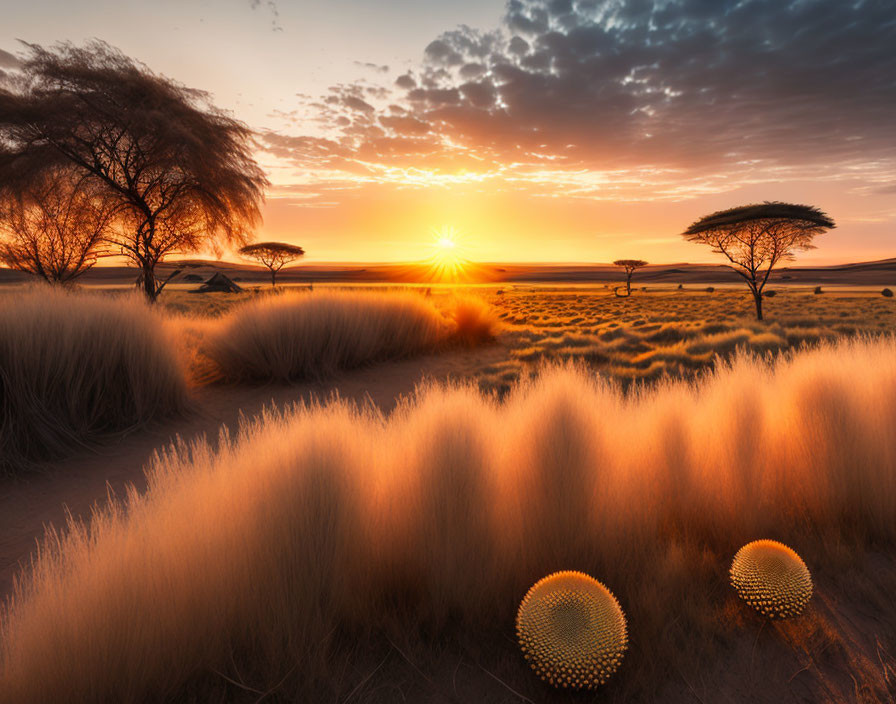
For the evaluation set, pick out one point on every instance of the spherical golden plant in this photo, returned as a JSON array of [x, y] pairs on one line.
[[572, 630], [771, 578]]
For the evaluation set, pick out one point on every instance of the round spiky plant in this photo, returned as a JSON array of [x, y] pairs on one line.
[[771, 578], [572, 630]]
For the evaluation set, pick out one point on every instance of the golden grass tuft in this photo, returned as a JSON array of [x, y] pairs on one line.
[[78, 368], [298, 336], [771, 578], [572, 630]]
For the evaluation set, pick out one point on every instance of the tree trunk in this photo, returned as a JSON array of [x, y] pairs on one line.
[[628, 284], [273, 278], [757, 297], [149, 283]]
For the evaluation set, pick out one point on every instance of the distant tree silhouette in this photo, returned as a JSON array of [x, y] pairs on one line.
[[630, 265], [180, 170], [56, 227], [274, 255], [755, 238]]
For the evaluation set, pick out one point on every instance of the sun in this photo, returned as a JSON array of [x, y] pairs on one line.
[[447, 262]]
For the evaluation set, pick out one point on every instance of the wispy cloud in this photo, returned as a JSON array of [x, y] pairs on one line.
[[378, 68], [272, 8]]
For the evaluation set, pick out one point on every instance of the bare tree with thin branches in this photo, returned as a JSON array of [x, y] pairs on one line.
[[755, 238], [181, 171], [56, 228], [630, 266], [273, 255]]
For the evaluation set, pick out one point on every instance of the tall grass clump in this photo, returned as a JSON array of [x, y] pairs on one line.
[[76, 368], [279, 560], [311, 335]]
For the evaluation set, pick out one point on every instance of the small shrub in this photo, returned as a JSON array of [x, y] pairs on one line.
[[710, 289], [818, 290], [312, 335], [475, 322], [887, 293]]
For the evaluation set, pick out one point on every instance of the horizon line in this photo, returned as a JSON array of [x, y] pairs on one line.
[[418, 262]]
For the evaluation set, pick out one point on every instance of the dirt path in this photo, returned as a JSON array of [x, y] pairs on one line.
[[76, 484]]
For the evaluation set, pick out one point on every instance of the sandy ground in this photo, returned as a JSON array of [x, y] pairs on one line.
[[76, 484]]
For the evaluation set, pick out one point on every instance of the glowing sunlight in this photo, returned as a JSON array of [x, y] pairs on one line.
[[447, 263]]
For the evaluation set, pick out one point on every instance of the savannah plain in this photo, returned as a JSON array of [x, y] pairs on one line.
[[471, 465], [348, 488]]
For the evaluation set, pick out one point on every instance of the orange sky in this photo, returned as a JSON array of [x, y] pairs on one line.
[[502, 222], [539, 130]]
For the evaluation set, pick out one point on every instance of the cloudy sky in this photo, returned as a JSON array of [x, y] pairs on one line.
[[538, 130]]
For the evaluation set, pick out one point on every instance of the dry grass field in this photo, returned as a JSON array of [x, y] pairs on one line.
[[335, 552], [670, 332], [327, 535], [660, 332], [77, 367]]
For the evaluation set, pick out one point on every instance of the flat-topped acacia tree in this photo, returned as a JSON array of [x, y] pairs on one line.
[[755, 238], [630, 265], [274, 255], [181, 171]]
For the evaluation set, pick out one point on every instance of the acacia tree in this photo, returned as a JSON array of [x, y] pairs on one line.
[[274, 255], [56, 228], [630, 265], [755, 238], [180, 171]]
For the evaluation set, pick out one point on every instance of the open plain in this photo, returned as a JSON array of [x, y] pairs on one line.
[[645, 437]]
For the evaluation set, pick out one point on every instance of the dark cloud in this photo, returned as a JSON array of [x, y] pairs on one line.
[[441, 52], [472, 70], [665, 84], [354, 103], [406, 81]]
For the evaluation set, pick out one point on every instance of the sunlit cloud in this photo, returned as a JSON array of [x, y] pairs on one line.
[[625, 100]]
